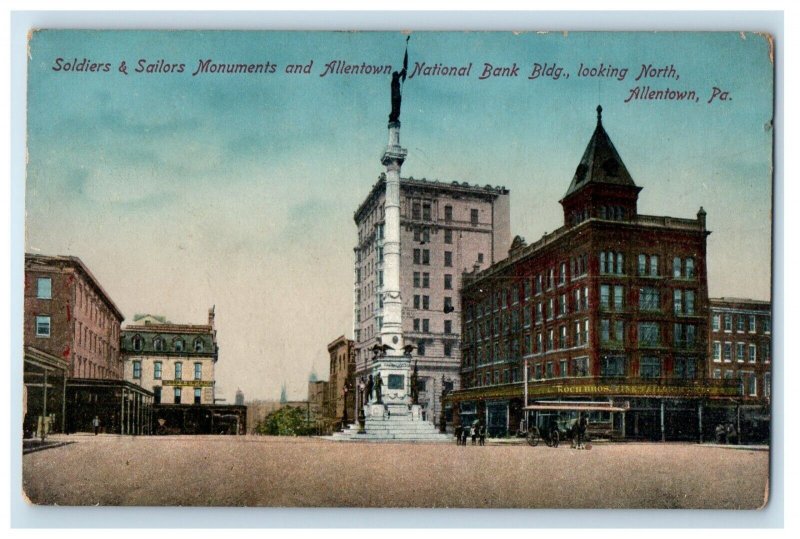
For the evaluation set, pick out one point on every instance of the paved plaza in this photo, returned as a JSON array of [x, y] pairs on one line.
[[308, 472]]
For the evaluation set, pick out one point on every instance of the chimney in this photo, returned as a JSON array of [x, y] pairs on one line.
[[211, 316]]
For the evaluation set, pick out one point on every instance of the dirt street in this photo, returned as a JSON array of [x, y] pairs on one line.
[[270, 471]]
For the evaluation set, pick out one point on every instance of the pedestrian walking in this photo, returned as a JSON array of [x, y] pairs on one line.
[[583, 423], [482, 435], [459, 429], [96, 425]]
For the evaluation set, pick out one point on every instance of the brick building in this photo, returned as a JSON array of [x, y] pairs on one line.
[[70, 316], [445, 229], [740, 339], [341, 381], [612, 307]]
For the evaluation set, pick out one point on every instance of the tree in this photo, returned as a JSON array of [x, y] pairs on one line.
[[288, 421]]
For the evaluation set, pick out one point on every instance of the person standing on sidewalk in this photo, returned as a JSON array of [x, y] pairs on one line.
[[96, 424]]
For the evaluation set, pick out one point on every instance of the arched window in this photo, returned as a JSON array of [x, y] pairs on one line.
[[137, 343]]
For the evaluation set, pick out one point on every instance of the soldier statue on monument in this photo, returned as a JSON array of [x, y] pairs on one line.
[[398, 78]]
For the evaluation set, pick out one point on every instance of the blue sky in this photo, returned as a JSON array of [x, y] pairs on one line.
[[180, 192]]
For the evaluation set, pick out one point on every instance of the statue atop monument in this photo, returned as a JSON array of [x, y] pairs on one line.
[[398, 78]]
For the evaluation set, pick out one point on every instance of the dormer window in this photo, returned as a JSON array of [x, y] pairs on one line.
[[158, 344], [137, 343], [198, 345], [178, 344]]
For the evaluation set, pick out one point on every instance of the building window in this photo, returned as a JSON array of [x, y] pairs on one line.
[[676, 267], [715, 325], [177, 395], [562, 304], [448, 259], [416, 324], [751, 323], [612, 366], [179, 371], [426, 325], [426, 257], [649, 299], [417, 256], [157, 370], [550, 342], [766, 325], [717, 351], [426, 302], [605, 296], [448, 349], [752, 385], [416, 279], [156, 394], [44, 288], [562, 368], [448, 236], [137, 370], [137, 343], [605, 330], [448, 282], [727, 352], [416, 211], [740, 352], [649, 334], [178, 344], [740, 323], [684, 335], [473, 216], [42, 326], [448, 213], [538, 371], [650, 367], [426, 211], [619, 297], [612, 263], [198, 371], [421, 348], [448, 327], [752, 353], [197, 395], [728, 323], [416, 301], [549, 370], [562, 337], [580, 366], [717, 374], [426, 280], [685, 368], [158, 344]]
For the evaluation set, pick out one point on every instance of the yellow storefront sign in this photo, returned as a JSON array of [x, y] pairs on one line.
[[189, 383]]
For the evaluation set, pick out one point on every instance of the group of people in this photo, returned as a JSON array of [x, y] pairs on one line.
[[726, 434], [477, 431]]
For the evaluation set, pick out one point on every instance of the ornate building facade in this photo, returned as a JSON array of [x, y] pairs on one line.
[[610, 308], [174, 361], [445, 229]]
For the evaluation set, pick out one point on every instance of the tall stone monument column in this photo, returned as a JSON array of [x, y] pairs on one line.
[[392, 363]]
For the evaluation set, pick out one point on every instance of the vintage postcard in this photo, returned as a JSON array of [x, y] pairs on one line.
[[385, 269]]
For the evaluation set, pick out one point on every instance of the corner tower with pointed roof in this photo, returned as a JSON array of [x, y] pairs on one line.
[[602, 187]]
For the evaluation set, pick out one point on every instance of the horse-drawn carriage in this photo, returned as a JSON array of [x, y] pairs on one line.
[[556, 421]]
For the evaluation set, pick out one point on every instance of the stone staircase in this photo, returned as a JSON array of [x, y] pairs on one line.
[[392, 423]]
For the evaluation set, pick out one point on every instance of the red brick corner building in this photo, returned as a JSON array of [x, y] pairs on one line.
[[610, 310]]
